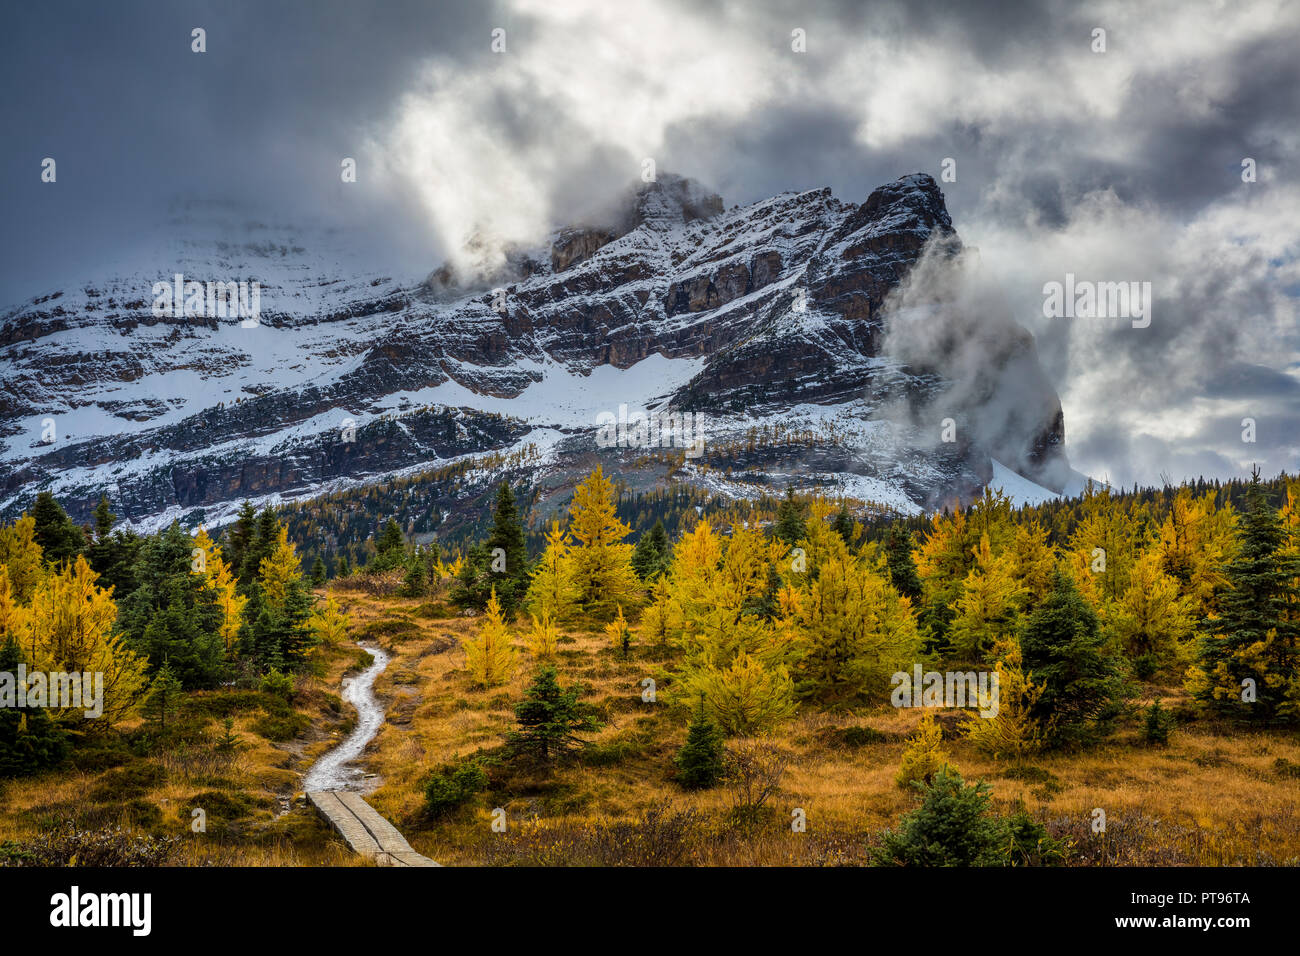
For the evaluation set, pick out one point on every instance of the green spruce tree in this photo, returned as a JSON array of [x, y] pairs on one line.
[[653, 554], [791, 526], [900, 563], [511, 571], [702, 759], [29, 740], [60, 539], [1064, 650], [173, 615], [551, 721], [390, 548], [1249, 649], [163, 699]]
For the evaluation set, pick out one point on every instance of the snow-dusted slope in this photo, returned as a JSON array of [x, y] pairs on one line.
[[765, 320]]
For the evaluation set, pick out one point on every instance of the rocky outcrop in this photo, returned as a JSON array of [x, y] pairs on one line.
[[780, 304]]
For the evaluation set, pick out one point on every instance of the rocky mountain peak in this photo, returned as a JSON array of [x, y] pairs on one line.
[[766, 318]]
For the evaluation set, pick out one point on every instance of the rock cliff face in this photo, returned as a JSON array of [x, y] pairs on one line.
[[764, 320]]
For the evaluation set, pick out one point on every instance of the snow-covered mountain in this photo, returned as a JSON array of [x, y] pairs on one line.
[[765, 324]]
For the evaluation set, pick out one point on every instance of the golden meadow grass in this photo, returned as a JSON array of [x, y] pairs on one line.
[[1213, 796]]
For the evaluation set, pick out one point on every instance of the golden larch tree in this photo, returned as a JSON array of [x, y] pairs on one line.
[[71, 629], [602, 563], [280, 570], [552, 593], [489, 655]]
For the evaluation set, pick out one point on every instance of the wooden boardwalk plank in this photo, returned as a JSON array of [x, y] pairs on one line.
[[364, 829]]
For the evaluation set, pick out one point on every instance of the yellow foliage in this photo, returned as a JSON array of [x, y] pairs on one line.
[[602, 569], [543, 639], [987, 607], [327, 623], [15, 620], [71, 629], [850, 631], [618, 633], [1012, 732], [1032, 562], [1151, 616], [220, 579], [745, 698], [489, 655], [663, 617], [280, 569], [924, 756], [22, 555], [552, 593], [1196, 542]]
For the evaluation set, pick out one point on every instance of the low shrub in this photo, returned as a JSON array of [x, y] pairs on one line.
[[452, 786], [955, 826], [70, 845]]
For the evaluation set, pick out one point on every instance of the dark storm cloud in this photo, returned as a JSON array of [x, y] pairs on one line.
[[1114, 166], [135, 119]]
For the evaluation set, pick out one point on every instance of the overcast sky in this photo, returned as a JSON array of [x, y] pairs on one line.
[[1117, 165]]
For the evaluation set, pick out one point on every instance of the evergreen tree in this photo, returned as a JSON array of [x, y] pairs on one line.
[[414, 584], [241, 541], [163, 699], [475, 580], [104, 518], [113, 554], [29, 740], [278, 635], [901, 564], [843, 525], [318, 576], [653, 554], [1064, 650], [60, 539], [174, 615], [509, 566], [1157, 724], [790, 524], [702, 759], [551, 721], [261, 543], [344, 568], [97, 553], [390, 548], [1254, 635], [955, 826]]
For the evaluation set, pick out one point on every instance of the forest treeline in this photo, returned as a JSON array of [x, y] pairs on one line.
[[765, 606]]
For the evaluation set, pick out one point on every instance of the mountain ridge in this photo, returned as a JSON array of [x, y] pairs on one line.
[[770, 313]]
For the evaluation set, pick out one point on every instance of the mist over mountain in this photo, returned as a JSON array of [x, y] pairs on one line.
[[842, 331]]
